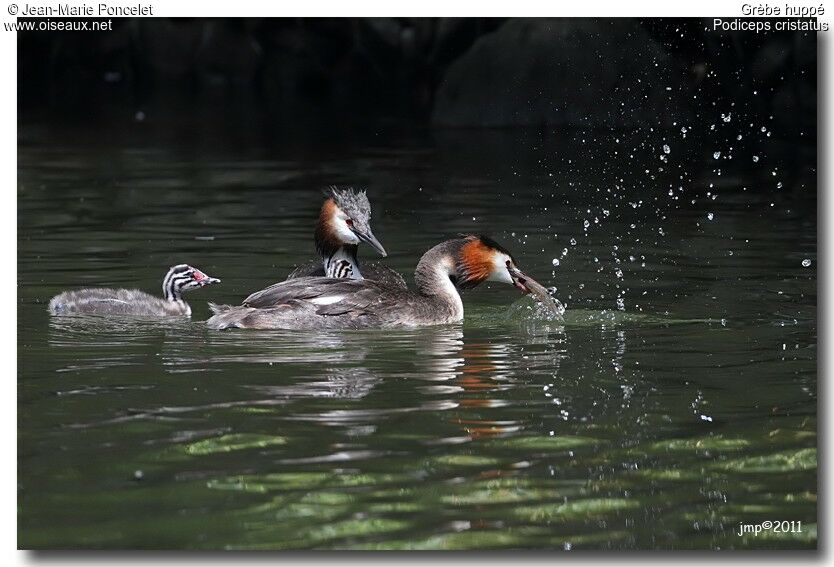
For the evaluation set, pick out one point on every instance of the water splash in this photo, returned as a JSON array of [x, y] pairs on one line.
[[535, 317]]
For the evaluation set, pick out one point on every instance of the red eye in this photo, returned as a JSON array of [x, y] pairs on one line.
[[349, 222], [198, 276]]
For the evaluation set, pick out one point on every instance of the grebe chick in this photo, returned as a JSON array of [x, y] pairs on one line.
[[328, 303], [343, 223], [106, 301]]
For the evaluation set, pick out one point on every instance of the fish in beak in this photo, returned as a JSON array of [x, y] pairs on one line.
[[527, 285]]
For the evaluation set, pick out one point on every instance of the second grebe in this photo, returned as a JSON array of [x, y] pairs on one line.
[[328, 303], [106, 301], [344, 222]]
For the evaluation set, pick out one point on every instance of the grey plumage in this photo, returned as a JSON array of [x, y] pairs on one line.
[[354, 203], [107, 301], [330, 303]]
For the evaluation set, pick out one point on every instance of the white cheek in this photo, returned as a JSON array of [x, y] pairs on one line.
[[500, 273], [344, 232]]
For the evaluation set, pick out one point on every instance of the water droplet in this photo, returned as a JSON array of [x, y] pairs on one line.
[[666, 149], [806, 263], [710, 216], [586, 224], [716, 155], [779, 185], [755, 159], [555, 262], [573, 242]]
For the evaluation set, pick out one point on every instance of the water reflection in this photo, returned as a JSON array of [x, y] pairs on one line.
[[352, 383]]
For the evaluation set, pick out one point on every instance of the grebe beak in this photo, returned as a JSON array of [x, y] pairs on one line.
[[367, 236], [205, 280], [526, 284]]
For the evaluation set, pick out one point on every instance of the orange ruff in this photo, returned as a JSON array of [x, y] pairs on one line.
[[326, 238], [476, 259]]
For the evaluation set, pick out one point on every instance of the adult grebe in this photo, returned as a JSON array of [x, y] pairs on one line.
[[106, 301], [344, 222], [328, 303]]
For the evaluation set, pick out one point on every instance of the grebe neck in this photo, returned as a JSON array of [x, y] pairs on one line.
[[435, 276], [172, 287]]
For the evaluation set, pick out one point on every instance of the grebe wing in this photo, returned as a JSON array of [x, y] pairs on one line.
[[318, 291]]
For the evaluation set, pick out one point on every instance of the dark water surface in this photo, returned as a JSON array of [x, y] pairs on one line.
[[677, 400]]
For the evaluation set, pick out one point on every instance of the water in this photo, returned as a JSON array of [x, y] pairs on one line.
[[676, 400]]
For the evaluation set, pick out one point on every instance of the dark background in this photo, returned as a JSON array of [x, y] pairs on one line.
[[334, 74]]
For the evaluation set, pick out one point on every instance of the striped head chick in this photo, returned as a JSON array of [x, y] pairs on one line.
[[344, 222], [183, 277]]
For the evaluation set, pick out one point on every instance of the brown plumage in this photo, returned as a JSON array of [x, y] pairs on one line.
[[326, 239]]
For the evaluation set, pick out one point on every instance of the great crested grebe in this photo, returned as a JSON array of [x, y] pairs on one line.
[[106, 301], [344, 222], [328, 303]]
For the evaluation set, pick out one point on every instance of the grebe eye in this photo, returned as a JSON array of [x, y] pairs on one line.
[[349, 222]]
